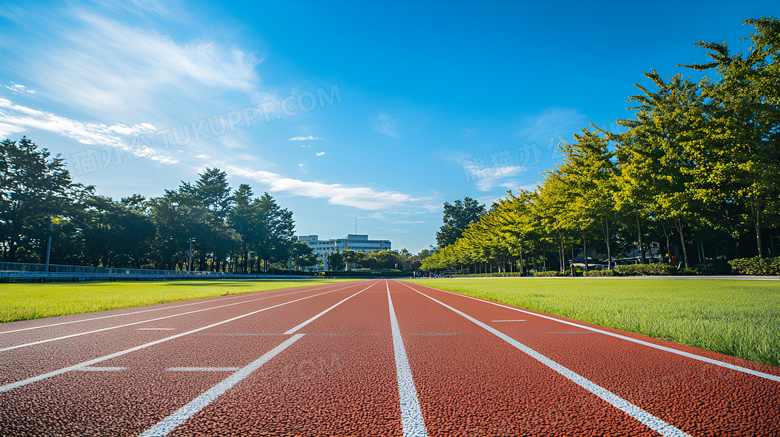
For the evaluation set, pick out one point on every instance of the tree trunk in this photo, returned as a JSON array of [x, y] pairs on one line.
[[668, 246], [609, 246], [560, 254], [682, 242], [641, 245], [759, 245], [522, 263], [585, 250]]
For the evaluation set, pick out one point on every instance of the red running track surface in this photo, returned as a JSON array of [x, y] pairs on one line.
[[340, 359]]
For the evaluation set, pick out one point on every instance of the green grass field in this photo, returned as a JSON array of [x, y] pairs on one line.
[[738, 318], [34, 300]]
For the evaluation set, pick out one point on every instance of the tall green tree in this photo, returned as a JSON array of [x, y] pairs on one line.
[[744, 124], [457, 217], [34, 188]]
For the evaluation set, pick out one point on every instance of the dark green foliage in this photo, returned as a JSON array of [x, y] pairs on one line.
[[457, 217], [38, 199]]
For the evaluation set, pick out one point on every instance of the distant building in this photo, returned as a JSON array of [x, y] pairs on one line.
[[356, 242]]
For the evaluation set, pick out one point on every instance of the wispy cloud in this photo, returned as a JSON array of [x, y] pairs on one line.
[[365, 198], [302, 167], [550, 123], [320, 154], [309, 138], [487, 178], [18, 88], [16, 119], [385, 125], [106, 67]]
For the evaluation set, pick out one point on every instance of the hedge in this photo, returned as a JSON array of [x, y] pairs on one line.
[[756, 266]]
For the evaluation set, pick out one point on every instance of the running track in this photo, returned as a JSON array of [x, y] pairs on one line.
[[366, 358]]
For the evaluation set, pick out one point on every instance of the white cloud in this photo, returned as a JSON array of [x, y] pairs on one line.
[[309, 138], [320, 154], [302, 167], [110, 68], [337, 194], [385, 125], [408, 222], [16, 119], [18, 88], [486, 177]]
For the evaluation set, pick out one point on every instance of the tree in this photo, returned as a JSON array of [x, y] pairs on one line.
[[34, 188], [303, 255], [457, 217], [744, 121]]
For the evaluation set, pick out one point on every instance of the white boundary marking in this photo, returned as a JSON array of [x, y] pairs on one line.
[[202, 369], [623, 337], [292, 330], [165, 426], [203, 300], [102, 369], [94, 331], [412, 421], [623, 405], [30, 380]]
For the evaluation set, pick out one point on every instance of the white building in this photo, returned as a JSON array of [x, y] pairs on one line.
[[356, 242]]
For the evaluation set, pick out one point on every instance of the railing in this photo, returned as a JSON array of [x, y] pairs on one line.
[[89, 270], [22, 271]]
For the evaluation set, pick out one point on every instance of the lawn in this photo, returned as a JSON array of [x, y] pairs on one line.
[[738, 318], [24, 301]]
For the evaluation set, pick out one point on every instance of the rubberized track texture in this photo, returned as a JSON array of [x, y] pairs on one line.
[[373, 358]]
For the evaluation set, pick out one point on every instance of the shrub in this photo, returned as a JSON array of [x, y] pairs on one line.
[[690, 272], [658, 269], [600, 273], [756, 266], [548, 273]]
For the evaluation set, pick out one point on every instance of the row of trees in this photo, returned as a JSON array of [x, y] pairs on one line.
[[349, 259], [698, 168], [229, 230]]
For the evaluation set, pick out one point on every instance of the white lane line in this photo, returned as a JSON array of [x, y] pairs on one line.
[[155, 329], [202, 369], [14, 385], [412, 421], [49, 340], [165, 426], [497, 321], [633, 340], [167, 308], [292, 331], [623, 405], [101, 369]]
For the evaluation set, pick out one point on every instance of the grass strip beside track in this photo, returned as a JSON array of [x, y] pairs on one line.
[[737, 318], [27, 301]]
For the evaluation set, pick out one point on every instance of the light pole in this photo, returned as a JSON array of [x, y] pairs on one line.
[[53, 221], [189, 261], [48, 246]]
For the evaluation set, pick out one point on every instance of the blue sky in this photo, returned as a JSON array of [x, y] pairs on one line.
[[375, 111]]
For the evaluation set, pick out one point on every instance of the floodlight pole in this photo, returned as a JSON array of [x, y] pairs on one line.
[[48, 246], [189, 261]]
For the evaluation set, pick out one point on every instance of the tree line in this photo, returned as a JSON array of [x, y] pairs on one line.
[[696, 174], [228, 230], [403, 260]]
